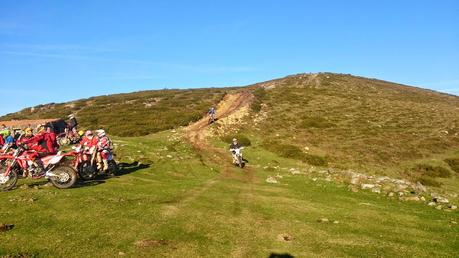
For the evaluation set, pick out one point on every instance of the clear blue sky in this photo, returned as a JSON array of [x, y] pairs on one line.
[[54, 51]]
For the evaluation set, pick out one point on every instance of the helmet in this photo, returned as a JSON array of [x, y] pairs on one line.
[[71, 116], [40, 128], [234, 140], [100, 132], [88, 133], [28, 130], [81, 133]]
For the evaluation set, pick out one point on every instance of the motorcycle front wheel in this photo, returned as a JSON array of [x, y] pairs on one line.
[[8, 182], [66, 177]]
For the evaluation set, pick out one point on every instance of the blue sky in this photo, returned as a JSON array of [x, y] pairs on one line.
[[54, 51]]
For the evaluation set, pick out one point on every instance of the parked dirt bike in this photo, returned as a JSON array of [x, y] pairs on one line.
[[86, 164], [21, 160], [68, 137], [55, 169], [237, 157]]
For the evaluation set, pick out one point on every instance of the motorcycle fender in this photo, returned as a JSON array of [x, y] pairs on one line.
[[52, 160]]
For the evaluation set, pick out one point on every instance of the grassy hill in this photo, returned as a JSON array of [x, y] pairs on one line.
[[354, 122], [131, 114], [179, 195]]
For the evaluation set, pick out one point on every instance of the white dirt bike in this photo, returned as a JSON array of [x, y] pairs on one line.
[[237, 157]]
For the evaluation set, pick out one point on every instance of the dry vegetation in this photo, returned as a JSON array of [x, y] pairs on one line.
[[131, 114], [358, 122]]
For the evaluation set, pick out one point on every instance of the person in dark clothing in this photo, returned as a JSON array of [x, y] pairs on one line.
[[235, 150], [73, 123], [235, 144]]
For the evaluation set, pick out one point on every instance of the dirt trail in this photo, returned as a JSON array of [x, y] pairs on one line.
[[231, 103], [196, 134]]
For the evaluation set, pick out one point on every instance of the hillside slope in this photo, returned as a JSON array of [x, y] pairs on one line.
[[131, 114], [356, 122]]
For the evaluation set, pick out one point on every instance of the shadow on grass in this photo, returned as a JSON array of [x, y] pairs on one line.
[[127, 168], [276, 255], [124, 169]]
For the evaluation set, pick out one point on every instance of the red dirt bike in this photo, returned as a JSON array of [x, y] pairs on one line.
[[21, 160], [86, 165]]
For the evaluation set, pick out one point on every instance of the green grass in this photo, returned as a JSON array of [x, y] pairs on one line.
[[184, 205]]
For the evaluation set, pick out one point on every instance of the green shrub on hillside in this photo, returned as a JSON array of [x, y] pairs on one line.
[[294, 152], [432, 171], [259, 94], [315, 122], [453, 164], [429, 181]]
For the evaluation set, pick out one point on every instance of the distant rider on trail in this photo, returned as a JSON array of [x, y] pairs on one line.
[[212, 114]]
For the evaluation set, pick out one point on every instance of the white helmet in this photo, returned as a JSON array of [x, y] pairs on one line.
[[88, 133], [100, 132], [71, 116]]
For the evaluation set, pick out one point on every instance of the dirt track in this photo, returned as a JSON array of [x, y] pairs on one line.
[[231, 103]]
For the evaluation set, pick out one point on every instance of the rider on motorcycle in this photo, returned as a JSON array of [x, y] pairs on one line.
[[28, 133], [42, 145], [104, 148], [89, 143], [234, 146], [212, 113]]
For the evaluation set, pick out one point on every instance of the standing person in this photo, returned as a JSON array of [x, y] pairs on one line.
[[104, 149], [50, 138], [73, 124], [2, 141], [9, 139]]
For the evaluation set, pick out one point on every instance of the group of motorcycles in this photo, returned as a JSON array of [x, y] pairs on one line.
[[62, 169]]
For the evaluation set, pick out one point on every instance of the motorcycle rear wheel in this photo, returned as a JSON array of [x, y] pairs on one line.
[[87, 171], [11, 182], [240, 162], [67, 177], [112, 167]]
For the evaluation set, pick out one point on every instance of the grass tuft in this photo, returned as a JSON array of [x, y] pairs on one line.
[[453, 164]]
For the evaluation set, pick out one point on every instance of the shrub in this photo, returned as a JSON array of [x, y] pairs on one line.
[[315, 122], [432, 171], [294, 152], [453, 164], [242, 139], [425, 180], [259, 94]]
